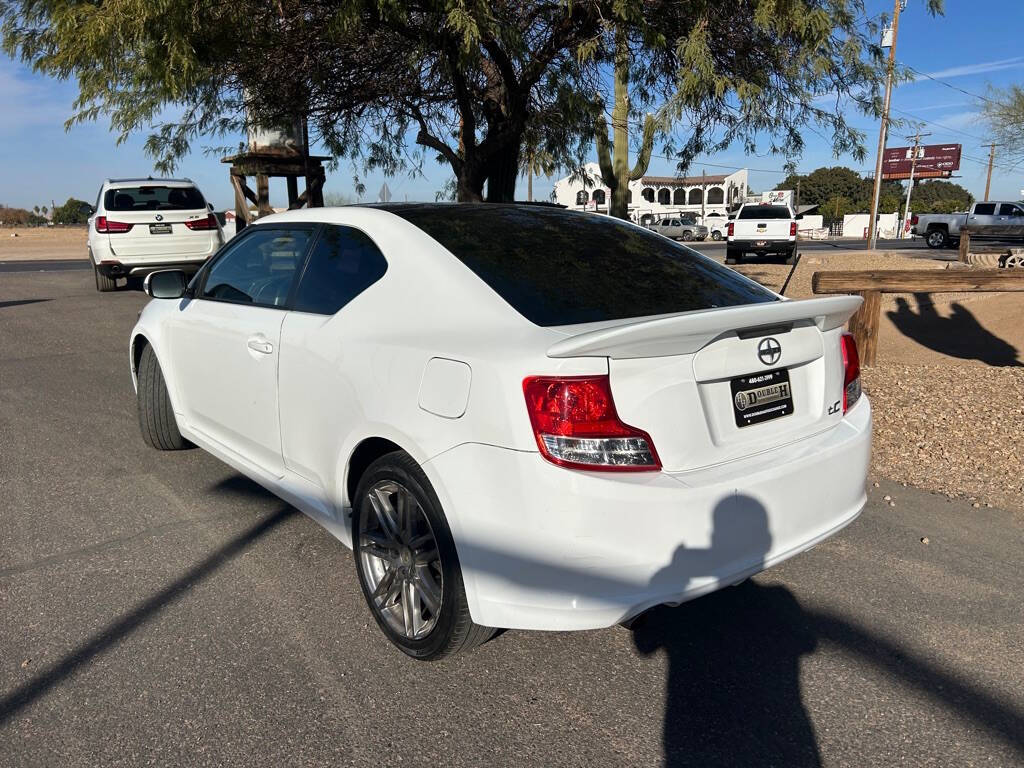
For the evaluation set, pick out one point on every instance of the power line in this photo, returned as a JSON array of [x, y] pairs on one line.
[[953, 87], [938, 125]]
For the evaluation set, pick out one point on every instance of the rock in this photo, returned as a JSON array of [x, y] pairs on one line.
[[924, 539], [887, 498]]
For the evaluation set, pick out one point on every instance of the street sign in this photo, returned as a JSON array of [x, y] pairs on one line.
[[934, 161]]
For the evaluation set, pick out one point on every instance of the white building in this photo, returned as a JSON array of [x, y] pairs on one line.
[[653, 197]]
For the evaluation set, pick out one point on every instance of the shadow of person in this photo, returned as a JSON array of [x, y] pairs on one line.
[[733, 689], [959, 335]]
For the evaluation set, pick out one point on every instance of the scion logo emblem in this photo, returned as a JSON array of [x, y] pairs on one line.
[[769, 351]]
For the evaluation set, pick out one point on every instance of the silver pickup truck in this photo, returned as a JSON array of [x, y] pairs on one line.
[[999, 220]]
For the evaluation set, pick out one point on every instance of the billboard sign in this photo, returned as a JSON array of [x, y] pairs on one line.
[[933, 161], [777, 197]]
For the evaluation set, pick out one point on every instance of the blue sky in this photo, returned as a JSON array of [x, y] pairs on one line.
[[973, 46]]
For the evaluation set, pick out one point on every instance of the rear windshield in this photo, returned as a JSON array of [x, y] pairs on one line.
[[153, 198], [765, 212], [558, 267]]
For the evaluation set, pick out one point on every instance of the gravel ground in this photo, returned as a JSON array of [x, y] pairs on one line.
[[951, 429]]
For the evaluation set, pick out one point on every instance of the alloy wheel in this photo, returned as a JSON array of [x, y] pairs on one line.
[[400, 560]]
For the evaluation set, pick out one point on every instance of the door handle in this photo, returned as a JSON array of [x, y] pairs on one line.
[[262, 346]]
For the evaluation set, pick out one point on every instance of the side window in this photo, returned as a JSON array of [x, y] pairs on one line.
[[985, 209], [1007, 209], [344, 263], [259, 269]]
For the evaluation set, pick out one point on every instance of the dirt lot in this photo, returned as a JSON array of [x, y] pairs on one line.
[[948, 390], [42, 243]]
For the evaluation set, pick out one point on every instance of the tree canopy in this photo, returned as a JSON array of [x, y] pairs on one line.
[[72, 212], [1004, 113], [390, 84]]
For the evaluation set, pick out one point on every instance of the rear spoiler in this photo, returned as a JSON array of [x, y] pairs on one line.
[[688, 332]]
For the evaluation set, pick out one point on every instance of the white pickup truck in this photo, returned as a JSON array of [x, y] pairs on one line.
[[761, 229]]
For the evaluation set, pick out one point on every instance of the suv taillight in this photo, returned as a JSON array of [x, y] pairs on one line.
[[913, 220], [792, 229], [210, 222], [107, 227], [851, 371], [729, 229], [576, 426]]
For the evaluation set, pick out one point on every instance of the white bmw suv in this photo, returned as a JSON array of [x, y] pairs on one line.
[[141, 225]]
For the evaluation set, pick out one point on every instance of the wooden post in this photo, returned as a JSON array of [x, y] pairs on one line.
[[965, 244], [263, 195], [242, 218], [293, 192], [864, 326]]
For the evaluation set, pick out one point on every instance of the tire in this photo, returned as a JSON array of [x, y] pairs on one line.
[[386, 552], [104, 284], [732, 256], [716, 236], [156, 417], [790, 257], [936, 238], [687, 235]]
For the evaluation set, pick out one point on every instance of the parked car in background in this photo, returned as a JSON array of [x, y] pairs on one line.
[[518, 417], [717, 226], [141, 225], [680, 228], [762, 229], [1002, 220]]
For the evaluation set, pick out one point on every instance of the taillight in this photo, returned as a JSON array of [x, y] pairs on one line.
[[107, 227], [210, 222], [851, 371], [913, 219], [576, 425], [792, 229], [729, 229]]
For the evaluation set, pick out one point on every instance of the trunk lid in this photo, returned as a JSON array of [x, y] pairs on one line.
[[677, 377], [159, 233]]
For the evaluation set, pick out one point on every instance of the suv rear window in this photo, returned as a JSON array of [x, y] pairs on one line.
[[765, 212], [559, 267], [153, 198]]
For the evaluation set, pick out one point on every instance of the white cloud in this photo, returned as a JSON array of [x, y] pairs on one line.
[[980, 68]]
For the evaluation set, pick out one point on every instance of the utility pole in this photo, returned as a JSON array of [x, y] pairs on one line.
[[991, 159], [877, 190], [910, 185], [704, 191]]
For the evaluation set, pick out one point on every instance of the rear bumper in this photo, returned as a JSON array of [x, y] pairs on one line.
[[114, 269], [770, 246], [542, 547]]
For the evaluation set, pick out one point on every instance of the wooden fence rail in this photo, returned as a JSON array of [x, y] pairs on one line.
[[871, 284]]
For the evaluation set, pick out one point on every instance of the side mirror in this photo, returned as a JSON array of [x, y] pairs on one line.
[[798, 216], [165, 284], [209, 206]]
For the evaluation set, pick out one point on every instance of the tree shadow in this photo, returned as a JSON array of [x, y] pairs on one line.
[[21, 302], [959, 335], [118, 630]]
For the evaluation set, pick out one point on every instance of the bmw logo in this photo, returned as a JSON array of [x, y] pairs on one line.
[[769, 351], [159, 217]]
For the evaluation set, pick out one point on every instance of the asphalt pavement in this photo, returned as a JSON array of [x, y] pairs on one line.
[[159, 608]]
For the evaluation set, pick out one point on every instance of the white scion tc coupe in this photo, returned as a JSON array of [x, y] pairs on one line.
[[517, 416]]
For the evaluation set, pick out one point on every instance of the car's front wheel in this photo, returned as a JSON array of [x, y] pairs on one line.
[[716, 236], [156, 416], [687, 235], [406, 562]]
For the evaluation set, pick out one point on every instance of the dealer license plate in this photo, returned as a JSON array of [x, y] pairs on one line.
[[761, 397], [761, 243], [159, 229]]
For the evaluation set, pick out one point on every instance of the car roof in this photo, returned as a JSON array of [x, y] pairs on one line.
[[149, 180]]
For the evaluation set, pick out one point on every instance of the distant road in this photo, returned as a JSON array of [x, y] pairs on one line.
[[49, 265]]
